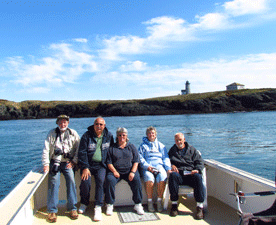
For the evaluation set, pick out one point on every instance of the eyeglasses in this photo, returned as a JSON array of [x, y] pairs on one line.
[[122, 135]]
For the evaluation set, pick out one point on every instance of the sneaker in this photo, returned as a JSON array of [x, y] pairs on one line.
[[82, 209], [73, 214], [159, 206], [174, 210], [52, 217], [109, 210], [97, 213], [150, 206], [139, 209], [199, 213]]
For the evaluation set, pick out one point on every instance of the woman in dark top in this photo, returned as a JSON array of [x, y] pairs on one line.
[[122, 161]]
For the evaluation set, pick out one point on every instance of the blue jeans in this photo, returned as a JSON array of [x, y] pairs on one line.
[[53, 189], [99, 172], [135, 186]]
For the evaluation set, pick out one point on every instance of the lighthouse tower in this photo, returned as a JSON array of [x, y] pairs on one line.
[[188, 90]]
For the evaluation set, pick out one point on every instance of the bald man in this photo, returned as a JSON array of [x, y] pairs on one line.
[[187, 167]]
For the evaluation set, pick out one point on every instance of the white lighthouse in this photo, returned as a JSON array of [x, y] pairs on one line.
[[187, 90]]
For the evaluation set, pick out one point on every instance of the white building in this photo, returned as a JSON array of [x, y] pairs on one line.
[[234, 86]]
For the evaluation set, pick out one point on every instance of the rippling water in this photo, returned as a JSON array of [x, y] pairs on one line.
[[243, 140]]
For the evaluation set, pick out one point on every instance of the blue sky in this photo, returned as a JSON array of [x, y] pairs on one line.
[[126, 49]]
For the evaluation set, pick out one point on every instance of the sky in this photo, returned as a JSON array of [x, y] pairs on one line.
[[133, 49]]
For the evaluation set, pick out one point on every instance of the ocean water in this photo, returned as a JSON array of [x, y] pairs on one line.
[[243, 140]]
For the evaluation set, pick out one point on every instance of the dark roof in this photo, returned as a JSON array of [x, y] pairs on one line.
[[235, 84]]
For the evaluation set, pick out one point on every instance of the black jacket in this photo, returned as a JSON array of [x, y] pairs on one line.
[[191, 160], [88, 146]]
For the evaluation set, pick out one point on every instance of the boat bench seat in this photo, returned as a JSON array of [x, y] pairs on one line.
[[185, 190]]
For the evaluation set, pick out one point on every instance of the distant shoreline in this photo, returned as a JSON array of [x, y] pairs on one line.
[[210, 102]]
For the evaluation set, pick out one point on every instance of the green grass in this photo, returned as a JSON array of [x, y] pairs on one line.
[[92, 104], [205, 95]]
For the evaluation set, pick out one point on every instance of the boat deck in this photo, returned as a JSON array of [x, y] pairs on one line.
[[218, 213]]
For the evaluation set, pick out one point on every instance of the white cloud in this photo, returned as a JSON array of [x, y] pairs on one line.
[[211, 75], [118, 61], [204, 76], [167, 28], [161, 32], [81, 40], [244, 7], [212, 21], [221, 72], [164, 31], [134, 66], [118, 45], [64, 65]]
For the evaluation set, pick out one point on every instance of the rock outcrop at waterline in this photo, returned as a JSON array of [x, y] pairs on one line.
[[215, 102]]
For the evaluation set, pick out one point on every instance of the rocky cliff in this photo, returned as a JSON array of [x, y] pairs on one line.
[[215, 102]]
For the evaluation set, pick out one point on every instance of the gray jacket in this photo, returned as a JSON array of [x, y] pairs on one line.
[[49, 145]]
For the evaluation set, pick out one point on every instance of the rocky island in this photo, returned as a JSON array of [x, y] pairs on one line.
[[210, 102]]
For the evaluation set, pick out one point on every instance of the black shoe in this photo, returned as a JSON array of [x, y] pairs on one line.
[[174, 210], [199, 213]]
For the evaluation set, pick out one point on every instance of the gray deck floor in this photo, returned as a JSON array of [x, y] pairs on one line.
[[218, 214]]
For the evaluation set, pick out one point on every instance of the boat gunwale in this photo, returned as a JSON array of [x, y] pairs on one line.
[[35, 169], [240, 173]]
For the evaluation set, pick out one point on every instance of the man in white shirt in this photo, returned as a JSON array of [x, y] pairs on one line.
[[60, 156]]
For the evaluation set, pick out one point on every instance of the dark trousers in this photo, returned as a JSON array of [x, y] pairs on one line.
[[99, 172], [194, 181], [135, 186]]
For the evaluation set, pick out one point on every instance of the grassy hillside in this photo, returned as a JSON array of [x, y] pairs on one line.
[[210, 102], [92, 104], [206, 95]]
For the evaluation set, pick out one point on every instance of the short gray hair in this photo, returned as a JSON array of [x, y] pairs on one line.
[[151, 128], [119, 131]]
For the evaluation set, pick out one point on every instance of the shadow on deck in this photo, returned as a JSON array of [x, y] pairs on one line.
[[218, 214]]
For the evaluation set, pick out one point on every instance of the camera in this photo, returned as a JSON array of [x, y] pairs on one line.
[[56, 166], [59, 152], [66, 155], [155, 171], [57, 159]]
